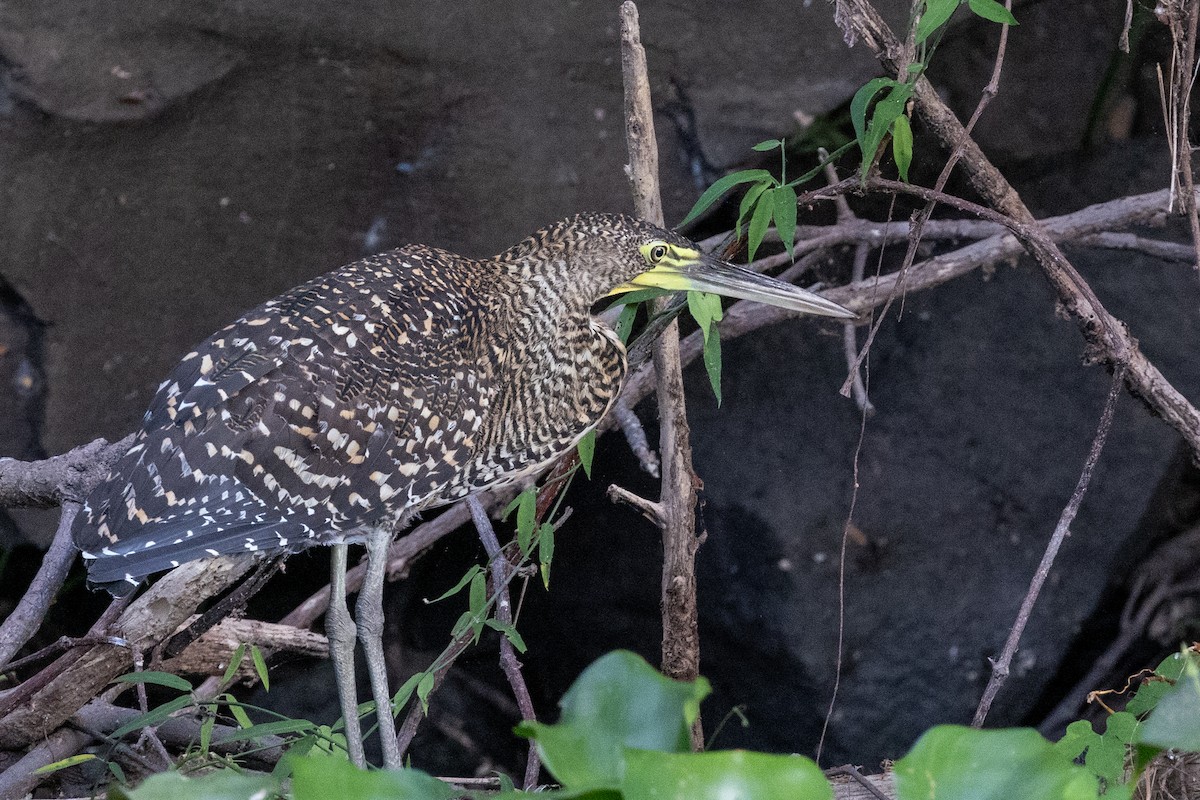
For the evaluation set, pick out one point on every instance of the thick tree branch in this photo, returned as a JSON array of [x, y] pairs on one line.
[[70, 476]]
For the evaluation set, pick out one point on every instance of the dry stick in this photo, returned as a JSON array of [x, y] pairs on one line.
[[1061, 531], [27, 617], [148, 620], [635, 435], [677, 503], [96, 720], [850, 329], [813, 238], [96, 635], [1123, 42], [851, 771], [1107, 337], [508, 656], [1183, 35], [69, 476], [850, 339]]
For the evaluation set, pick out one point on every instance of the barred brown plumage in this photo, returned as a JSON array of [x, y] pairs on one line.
[[403, 381]]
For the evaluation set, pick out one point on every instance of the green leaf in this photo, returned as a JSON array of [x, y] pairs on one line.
[[458, 587], [153, 716], [748, 203], [405, 691], [527, 516], [705, 308], [466, 620], [712, 362], [722, 775], [619, 701], [785, 215], [546, 551], [523, 497], [760, 221], [768, 145], [587, 448], [902, 145], [952, 762], [1078, 737], [235, 663], [260, 667], [862, 99], [239, 713], [158, 679], [1106, 756], [65, 763], [322, 778], [478, 595], [1175, 722], [1155, 688], [721, 187], [206, 727], [993, 11], [937, 13], [625, 322], [222, 784], [276, 728], [886, 111], [424, 689], [508, 631]]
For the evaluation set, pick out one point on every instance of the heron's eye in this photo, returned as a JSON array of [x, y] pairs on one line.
[[657, 253]]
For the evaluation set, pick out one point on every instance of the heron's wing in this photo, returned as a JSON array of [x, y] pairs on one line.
[[327, 410]]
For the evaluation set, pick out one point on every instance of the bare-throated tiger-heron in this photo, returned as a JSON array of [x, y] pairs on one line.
[[333, 413]]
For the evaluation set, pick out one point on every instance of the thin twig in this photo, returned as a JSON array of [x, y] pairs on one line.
[[508, 656], [850, 339], [1000, 667], [635, 435], [26, 618]]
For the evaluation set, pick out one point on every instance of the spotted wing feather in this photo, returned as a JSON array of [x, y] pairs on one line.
[[328, 410]]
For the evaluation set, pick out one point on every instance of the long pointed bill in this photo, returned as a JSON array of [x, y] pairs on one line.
[[689, 270]]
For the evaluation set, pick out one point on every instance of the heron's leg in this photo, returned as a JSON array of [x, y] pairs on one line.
[[339, 627], [370, 632]]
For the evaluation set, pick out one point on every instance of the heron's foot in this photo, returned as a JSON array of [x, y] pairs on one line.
[[341, 630], [370, 633]]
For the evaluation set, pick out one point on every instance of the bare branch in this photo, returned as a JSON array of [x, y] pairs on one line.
[[1001, 665], [635, 435], [26, 618], [508, 655], [70, 476], [681, 637], [647, 508]]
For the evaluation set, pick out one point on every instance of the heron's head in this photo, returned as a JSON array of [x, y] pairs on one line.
[[619, 253]]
